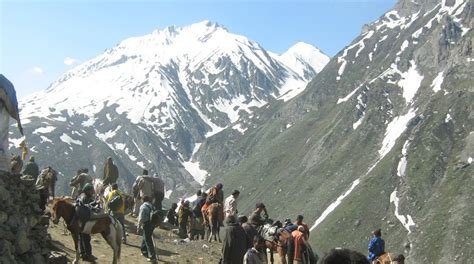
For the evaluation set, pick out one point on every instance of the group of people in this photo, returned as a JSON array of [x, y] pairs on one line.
[[243, 241]]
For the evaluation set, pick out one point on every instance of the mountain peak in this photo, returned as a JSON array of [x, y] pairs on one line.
[[301, 55], [302, 46]]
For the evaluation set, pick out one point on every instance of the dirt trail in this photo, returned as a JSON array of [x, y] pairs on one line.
[[165, 242]]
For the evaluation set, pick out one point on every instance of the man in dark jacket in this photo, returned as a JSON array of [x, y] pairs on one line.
[[84, 203], [250, 231], [172, 216], [31, 168], [111, 173], [200, 201], [256, 218], [234, 245], [376, 246]]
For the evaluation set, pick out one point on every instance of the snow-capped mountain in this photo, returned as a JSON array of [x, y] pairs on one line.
[[150, 101], [382, 137]]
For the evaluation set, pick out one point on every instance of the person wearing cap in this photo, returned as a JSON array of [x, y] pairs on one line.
[[230, 204], [119, 213], [376, 245], [299, 222], [256, 218]]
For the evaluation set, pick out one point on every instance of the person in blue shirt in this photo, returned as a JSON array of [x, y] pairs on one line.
[[376, 245], [144, 220]]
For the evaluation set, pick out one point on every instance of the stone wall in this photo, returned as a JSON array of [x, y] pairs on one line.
[[23, 227]]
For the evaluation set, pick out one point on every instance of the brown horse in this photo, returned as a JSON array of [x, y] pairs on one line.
[[279, 245], [109, 228], [389, 258], [212, 219]]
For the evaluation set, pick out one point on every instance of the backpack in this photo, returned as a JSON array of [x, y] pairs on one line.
[[155, 217], [116, 202]]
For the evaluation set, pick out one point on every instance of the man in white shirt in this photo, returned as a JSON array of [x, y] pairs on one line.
[[230, 204]]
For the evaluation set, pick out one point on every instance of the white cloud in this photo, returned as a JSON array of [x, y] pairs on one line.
[[38, 70], [70, 61]]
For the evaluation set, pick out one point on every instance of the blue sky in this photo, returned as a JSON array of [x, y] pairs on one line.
[[37, 37]]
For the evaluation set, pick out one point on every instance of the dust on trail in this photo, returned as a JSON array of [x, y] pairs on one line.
[[165, 244]]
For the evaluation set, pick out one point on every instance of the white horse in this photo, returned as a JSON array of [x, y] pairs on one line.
[[101, 192]]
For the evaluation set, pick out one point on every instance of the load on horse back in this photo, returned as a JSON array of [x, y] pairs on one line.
[[275, 239], [104, 224], [389, 258]]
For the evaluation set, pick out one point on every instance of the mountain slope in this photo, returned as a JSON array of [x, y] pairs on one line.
[[381, 137], [150, 100]]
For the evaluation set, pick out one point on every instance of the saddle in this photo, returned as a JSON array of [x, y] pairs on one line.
[[268, 232]]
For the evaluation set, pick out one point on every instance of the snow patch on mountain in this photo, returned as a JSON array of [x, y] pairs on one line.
[[68, 140], [193, 167], [394, 130], [334, 205], [402, 164], [410, 82], [406, 221], [437, 82], [44, 130]]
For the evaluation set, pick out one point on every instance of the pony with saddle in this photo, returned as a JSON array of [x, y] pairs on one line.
[[106, 225], [275, 239], [212, 219]]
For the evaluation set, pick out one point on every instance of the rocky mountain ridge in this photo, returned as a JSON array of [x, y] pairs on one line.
[[150, 101], [381, 137]]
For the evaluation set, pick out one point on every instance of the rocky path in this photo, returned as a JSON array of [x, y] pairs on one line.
[[168, 247]]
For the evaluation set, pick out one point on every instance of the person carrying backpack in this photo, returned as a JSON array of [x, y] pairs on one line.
[[145, 222], [116, 204]]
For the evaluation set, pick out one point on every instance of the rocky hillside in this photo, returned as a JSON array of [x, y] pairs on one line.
[[150, 101], [382, 137], [23, 228]]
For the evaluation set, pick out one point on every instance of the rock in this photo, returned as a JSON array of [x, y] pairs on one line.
[[4, 193], [39, 259], [357, 223], [57, 258], [3, 217], [23, 243]]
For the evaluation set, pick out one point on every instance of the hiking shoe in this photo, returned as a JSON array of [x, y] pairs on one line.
[[89, 258]]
